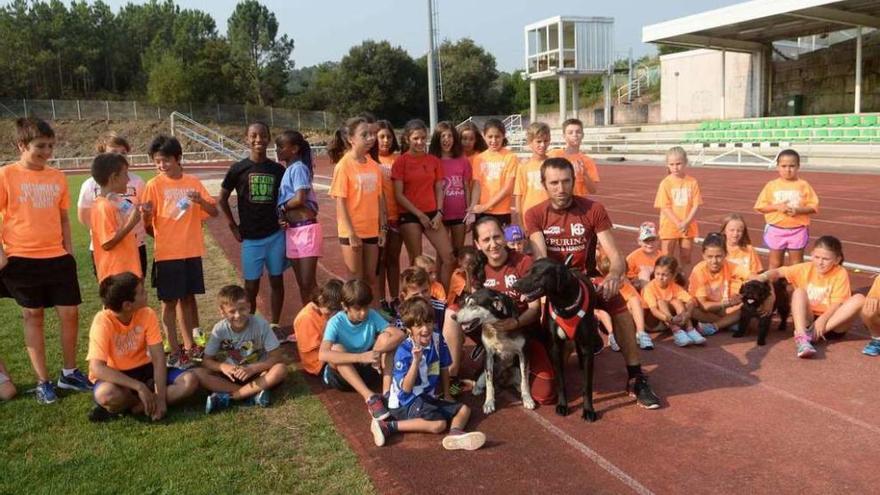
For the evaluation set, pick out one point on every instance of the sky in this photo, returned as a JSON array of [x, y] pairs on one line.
[[325, 30]]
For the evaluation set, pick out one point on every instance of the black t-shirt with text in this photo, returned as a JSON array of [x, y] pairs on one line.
[[257, 187]]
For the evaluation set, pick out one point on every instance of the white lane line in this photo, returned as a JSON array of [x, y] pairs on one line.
[[591, 454]]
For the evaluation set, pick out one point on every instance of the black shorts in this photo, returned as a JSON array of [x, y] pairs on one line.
[[407, 217], [142, 253], [428, 408], [365, 240], [334, 380], [41, 282], [452, 223], [176, 279], [144, 374], [504, 219]]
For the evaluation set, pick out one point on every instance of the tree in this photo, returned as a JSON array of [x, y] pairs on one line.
[[469, 77], [253, 31], [168, 81]]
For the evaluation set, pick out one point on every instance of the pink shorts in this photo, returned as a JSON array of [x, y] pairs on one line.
[[304, 241], [780, 239]]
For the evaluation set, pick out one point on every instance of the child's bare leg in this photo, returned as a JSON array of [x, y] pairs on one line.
[[605, 319], [800, 311], [638, 313], [681, 310], [669, 247], [387, 364], [169, 321], [184, 385], [662, 312], [686, 247], [268, 379], [728, 319], [69, 318], [115, 398], [841, 319], [190, 318], [460, 420], [776, 259], [7, 388], [704, 316], [35, 342], [214, 382], [872, 322], [276, 285], [351, 376], [455, 340], [795, 256], [419, 425]]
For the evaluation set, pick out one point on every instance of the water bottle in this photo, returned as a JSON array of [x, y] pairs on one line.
[[182, 207]]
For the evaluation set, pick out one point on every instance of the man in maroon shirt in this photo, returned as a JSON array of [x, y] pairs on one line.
[[567, 225]]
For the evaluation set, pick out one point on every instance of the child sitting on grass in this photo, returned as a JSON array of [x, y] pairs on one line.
[[358, 343], [7, 388], [126, 358], [253, 361], [421, 364], [309, 324]]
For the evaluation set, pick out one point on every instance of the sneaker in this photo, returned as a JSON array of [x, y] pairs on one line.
[[216, 402], [695, 337], [380, 431], [804, 348], [644, 340], [196, 353], [639, 388], [464, 441], [262, 399], [707, 329], [681, 338], [613, 343], [45, 393], [810, 332], [75, 381], [199, 337], [377, 408], [100, 415], [174, 358], [872, 348]]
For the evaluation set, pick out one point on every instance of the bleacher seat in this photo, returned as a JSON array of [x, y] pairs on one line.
[[851, 128]]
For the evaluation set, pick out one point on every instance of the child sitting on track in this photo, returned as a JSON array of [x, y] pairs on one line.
[[421, 366], [358, 343], [309, 324], [634, 304], [715, 284], [871, 317], [253, 363], [126, 358], [640, 263], [670, 303], [428, 264]]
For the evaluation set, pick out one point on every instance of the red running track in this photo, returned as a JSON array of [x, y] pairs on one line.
[[736, 417]]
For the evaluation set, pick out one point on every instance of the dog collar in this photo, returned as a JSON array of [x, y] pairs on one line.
[[569, 324]]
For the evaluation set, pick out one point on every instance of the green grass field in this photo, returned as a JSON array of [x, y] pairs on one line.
[[290, 447]]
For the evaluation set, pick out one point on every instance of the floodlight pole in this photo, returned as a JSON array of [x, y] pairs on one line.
[[432, 85], [858, 83]]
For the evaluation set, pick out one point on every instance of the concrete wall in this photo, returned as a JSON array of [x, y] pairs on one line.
[[695, 93], [826, 79], [637, 113]]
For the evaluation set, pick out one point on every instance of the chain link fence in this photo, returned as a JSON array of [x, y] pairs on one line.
[[135, 110]]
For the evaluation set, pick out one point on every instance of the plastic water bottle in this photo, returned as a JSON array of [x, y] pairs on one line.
[[182, 206]]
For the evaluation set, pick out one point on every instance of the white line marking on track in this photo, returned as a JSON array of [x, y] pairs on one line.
[[591, 454]]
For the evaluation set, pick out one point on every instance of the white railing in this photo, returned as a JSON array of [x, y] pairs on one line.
[[206, 136]]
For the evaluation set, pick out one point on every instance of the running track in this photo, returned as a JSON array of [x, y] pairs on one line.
[[736, 417]]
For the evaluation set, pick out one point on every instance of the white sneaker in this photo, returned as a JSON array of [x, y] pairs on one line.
[[613, 343], [681, 338], [644, 340], [707, 329], [472, 440], [695, 337]]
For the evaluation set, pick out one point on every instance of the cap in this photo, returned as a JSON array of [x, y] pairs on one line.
[[647, 230], [513, 233]]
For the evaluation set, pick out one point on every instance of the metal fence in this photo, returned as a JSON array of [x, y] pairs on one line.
[[136, 110]]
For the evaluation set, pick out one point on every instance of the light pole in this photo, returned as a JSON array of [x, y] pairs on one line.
[[432, 84]]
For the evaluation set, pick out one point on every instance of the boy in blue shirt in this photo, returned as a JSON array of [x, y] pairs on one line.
[[421, 363], [358, 343]]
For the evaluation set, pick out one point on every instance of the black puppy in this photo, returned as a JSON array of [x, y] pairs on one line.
[[754, 294], [570, 299]]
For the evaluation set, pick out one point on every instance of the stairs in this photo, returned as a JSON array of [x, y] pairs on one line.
[[181, 125]]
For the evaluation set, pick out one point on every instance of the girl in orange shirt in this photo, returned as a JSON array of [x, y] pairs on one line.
[[678, 198], [527, 189], [494, 172], [360, 209], [871, 317], [670, 303], [715, 284], [634, 304], [738, 244], [472, 142], [822, 305], [389, 255]]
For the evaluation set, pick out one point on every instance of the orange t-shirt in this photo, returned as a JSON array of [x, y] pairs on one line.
[[875, 289], [437, 291], [716, 287], [528, 184], [457, 285], [745, 257], [652, 293], [177, 236], [583, 166], [123, 346], [419, 174], [359, 184], [639, 261], [308, 326], [794, 192], [681, 195], [391, 209], [493, 170], [822, 290], [31, 202], [106, 220]]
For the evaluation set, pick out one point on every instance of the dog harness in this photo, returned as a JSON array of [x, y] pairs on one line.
[[569, 324]]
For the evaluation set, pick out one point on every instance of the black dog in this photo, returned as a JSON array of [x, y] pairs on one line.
[[571, 299], [754, 294]]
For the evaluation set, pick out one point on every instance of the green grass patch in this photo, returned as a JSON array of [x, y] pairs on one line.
[[290, 447]]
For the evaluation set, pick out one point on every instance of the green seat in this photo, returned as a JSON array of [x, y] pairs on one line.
[[852, 120], [779, 134], [835, 121], [793, 134], [794, 122], [869, 120], [754, 134], [820, 135], [765, 135], [835, 134], [867, 136], [820, 121], [768, 124], [703, 126], [781, 123], [724, 125], [851, 134], [712, 125], [807, 122]]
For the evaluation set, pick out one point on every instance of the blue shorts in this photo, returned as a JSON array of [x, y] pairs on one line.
[[144, 374], [268, 252]]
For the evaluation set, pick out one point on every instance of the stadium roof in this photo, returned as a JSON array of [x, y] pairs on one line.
[[751, 26]]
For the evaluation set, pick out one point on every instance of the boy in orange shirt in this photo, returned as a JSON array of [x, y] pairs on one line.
[[113, 218], [678, 198], [308, 326], [37, 267], [126, 359], [174, 206], [586, 175], [640, 263], [787, 203], [428, 264], [527, 189], [871, 317]]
